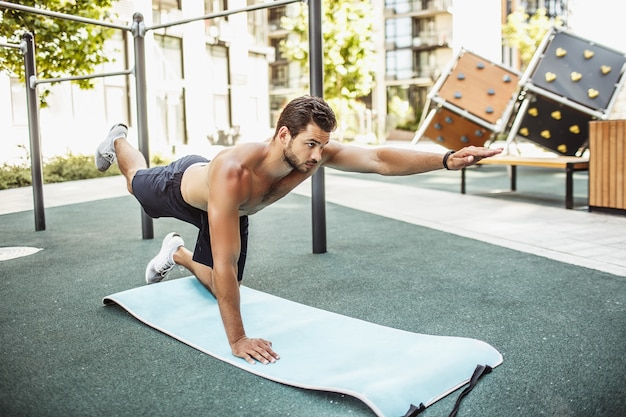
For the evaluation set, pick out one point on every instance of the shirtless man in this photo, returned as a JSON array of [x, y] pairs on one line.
[[217, 197]]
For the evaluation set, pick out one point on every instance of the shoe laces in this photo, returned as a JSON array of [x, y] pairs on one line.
[[109, 156], [165, 268]]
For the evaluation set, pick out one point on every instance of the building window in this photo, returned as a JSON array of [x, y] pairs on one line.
[[275, 14], [275, 42], [221, 87], [425, 64], [399, 6], [277, 104], [279, 71], [164, 11], [427, 32], [170, 92], [213, 6], [116, 90], [213, 27], [553, 8], [398, 32], [280, 76], [409, 6], [400, 64], [257, 25], [18, 102]]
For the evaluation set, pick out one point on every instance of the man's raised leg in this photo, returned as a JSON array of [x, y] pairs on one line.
[[116, 147], [105, 154]]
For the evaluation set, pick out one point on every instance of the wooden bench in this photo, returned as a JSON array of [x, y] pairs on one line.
[[570, 164]]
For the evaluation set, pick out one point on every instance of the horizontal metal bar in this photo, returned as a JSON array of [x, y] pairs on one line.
[[35, 10], [224, 13], [10, 45], [79, 77]]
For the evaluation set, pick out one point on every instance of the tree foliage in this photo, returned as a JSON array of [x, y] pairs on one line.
[[62, 47], [526, 32], [349, 54]]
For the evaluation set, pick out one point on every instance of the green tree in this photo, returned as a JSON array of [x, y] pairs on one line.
[[349, 53], [62, 47], [526, 32]]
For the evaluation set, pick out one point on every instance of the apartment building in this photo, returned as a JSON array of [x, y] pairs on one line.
[[418, 38]]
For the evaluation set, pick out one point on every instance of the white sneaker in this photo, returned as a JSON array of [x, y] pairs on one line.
[[105, 154], [163, 262]]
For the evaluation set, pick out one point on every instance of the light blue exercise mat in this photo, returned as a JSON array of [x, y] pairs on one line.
[[388, 369]]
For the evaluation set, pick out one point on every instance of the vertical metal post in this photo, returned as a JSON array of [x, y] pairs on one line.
[[139, 32], [32, 102], [317, 89], [517, 121]]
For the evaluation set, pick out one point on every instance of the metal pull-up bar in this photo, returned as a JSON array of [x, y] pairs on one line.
[[139, 29], [50, 13], [30, 72], [36, 171], [35, 81], [11, 45], [316, 77], [224, 13], [32, 102]]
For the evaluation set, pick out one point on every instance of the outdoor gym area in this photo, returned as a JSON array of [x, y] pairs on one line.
[[386, 296]]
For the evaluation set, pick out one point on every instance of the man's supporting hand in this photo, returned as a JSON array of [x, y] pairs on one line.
[[253, 350]]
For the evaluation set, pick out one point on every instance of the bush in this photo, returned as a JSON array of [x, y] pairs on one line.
[[58, 169], [14, 176], [74, 167]]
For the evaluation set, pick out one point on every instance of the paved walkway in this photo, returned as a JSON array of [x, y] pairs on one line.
[[593, 240]]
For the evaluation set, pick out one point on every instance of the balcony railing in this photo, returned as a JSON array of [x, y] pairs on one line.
[[416, 6], [424, 40]]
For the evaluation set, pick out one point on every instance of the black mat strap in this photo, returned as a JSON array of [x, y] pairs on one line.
[[414, 410], [478, 373]]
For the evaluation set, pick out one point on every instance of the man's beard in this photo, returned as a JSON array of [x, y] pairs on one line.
[[292, 160]]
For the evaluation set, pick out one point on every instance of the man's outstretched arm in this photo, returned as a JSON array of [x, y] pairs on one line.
[[396, 161]]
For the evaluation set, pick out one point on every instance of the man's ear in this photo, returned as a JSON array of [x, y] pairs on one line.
[[283, 135]]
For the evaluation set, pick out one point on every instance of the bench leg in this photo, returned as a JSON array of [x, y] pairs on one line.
[[569, 187], [513, 176], [462, 180]]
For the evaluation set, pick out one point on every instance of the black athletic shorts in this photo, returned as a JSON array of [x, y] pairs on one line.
[[158, 191]]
